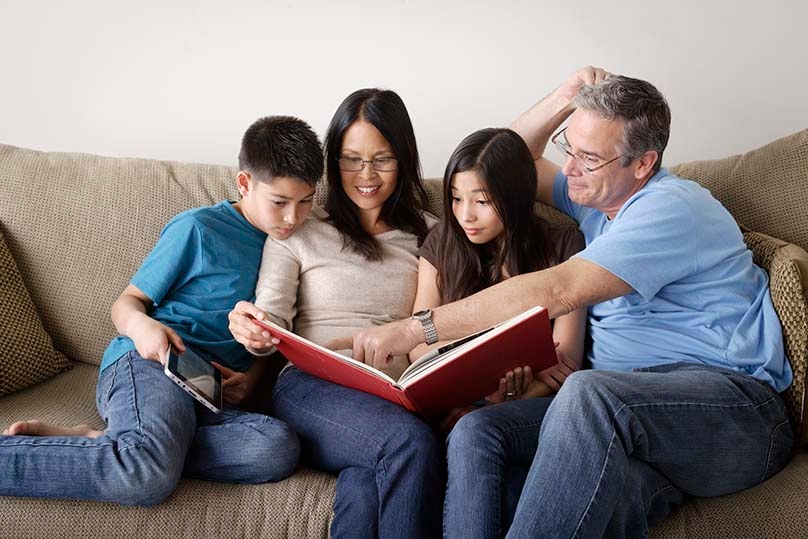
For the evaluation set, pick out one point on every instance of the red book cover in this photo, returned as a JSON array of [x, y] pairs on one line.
[[465, 371]]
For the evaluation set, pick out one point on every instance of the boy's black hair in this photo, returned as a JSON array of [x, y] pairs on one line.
[[281, 146]]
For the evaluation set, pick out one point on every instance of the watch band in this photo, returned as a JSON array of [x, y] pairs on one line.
[[430, 332]]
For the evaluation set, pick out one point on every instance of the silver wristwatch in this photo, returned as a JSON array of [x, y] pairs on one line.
[[425, 317]]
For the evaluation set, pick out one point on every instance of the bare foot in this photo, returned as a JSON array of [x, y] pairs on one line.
[[38, 428]]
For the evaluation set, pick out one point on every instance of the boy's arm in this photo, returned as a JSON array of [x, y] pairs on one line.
[[130, 316]]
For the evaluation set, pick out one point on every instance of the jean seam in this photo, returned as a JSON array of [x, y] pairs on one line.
[[139, 426], [771, 448], [591, 503]]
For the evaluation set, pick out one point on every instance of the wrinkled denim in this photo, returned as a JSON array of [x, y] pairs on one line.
[[154, 431], [389, 464], [612, 453]]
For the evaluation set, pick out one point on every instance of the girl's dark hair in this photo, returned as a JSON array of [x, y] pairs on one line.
[[385, 110], [503, 161]]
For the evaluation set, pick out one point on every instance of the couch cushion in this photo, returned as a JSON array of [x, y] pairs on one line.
[[299, 506], [27, 355], [787, 265], [766, 189]]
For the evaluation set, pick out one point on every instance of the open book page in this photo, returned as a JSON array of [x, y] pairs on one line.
[[437, 355]]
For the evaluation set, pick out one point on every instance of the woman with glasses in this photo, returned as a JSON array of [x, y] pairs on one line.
[[351, 266], [489, 232]]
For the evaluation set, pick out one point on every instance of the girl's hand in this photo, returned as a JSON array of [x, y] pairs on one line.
[[554, 376], [512, 386]]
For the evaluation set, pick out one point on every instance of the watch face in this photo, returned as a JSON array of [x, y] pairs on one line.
[[425, 313]]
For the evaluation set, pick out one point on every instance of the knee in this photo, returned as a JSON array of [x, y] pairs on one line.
[[145, 486], [280, 454], [471, 430]]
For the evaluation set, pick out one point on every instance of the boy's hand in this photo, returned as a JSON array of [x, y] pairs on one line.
[[153, 339], [236, 386], [245, 331]]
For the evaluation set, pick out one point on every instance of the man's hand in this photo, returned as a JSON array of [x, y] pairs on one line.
[[245, 331], [377, 345], [585, 76], [152, 339]]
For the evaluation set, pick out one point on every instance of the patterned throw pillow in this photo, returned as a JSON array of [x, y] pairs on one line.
[[27, 355], [787, 265]]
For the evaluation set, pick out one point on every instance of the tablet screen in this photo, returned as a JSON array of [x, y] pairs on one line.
[[197, 373]]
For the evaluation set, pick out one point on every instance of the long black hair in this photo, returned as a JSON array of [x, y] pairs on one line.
[[503, 161], [403, 210]]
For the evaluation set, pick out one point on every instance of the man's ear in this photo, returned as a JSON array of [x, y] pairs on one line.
[[645, 164], [243, 182]]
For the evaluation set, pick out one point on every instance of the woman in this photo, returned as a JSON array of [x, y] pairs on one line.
[[490, 232], [350, 267]]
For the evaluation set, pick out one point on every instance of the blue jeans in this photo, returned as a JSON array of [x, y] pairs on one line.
[[612, 453], [389, 463], [154, 430]]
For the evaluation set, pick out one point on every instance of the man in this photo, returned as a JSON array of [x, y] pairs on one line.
[[687, 350]]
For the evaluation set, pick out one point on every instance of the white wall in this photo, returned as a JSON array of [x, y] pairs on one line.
[[182, 79]]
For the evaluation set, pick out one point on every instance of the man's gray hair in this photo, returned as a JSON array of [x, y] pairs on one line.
[[640, 105]]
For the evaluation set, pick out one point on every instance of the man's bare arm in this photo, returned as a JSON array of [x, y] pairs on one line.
[[574, 284]]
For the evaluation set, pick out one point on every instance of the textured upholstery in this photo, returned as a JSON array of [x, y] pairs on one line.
[[27, 355], [766, 189]]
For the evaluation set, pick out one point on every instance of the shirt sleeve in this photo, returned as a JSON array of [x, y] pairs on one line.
[[430, 247], [278, 283], [651, 243], [175, 260]]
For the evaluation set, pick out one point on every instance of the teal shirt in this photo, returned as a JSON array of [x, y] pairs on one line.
[[205, 261], [698, 297]]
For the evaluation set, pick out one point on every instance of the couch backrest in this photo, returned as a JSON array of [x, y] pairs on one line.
[[766, 189], [79, 225]]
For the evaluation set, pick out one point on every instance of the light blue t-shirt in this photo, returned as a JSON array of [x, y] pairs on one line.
[[697, 297], [205, 261]]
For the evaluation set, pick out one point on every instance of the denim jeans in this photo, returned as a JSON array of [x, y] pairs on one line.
[[154, 430], [612, 453], [389, 464]]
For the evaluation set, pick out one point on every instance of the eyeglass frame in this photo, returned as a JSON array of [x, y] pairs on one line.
[[363, 162], [565, 149]]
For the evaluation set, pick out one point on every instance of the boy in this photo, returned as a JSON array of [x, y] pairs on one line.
[[204, 262]]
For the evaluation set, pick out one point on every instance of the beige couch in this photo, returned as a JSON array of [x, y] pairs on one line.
[[78, 226]]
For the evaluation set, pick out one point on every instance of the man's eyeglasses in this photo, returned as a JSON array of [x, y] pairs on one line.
[[355, 164], [585, 162]]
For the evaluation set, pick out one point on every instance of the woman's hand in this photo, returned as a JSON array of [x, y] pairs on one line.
[[247, 332]]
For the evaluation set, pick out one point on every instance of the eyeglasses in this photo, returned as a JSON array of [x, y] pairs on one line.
[[355, 164], [586, 162]]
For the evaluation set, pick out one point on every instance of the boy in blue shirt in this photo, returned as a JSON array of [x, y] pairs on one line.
[[205, 261]]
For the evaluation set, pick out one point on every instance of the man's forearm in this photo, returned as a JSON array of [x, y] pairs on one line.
[[539, 122]]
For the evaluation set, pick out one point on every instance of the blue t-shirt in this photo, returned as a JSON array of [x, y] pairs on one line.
[[205, 261], [697, 297]]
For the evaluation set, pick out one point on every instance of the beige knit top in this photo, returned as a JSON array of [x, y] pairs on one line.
[[311, 284]]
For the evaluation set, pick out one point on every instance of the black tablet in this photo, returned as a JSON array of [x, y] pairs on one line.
[[197, 376]]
